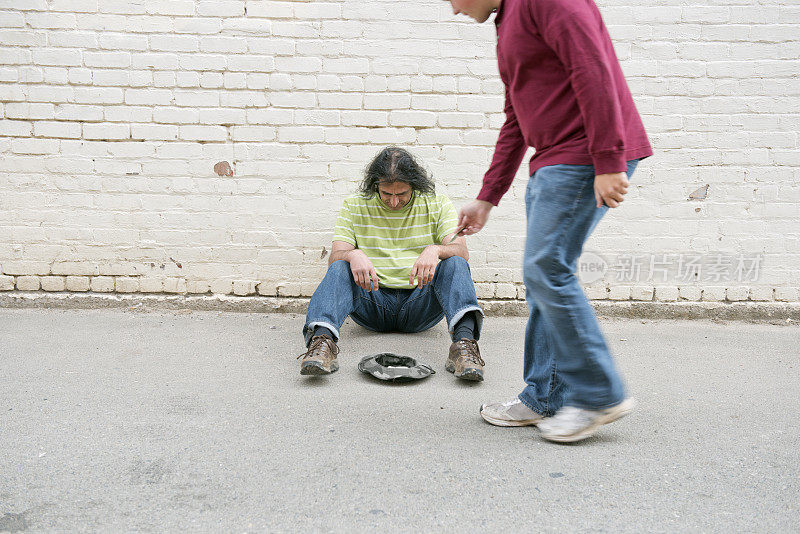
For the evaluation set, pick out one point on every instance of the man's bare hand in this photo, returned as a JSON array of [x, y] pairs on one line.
[[473, 216], [363, 271], [425, 266], [610, 189]]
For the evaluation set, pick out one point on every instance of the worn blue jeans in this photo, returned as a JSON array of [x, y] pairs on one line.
[[451, 293], [567, 361]]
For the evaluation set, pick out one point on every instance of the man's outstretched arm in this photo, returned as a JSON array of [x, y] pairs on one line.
[[508, 154]]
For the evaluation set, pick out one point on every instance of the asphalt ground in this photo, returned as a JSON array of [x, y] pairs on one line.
[[116, 421]]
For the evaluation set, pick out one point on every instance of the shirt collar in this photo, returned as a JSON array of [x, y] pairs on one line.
[[499, 13]]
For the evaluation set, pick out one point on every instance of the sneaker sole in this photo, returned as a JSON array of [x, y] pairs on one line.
[[316, 369], [506, 422], [472, 375], [616, 412]]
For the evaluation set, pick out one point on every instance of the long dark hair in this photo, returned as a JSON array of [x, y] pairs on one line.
[[393, 164]]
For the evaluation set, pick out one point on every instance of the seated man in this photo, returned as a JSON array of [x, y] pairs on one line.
[[385, 270]]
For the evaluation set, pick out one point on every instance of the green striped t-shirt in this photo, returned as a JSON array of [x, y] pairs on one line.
[[393, 240]]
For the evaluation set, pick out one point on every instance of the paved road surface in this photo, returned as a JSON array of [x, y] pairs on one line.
[[168, 421]]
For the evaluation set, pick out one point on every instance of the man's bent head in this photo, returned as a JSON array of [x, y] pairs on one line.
[[480, 10], [394, 175], [396, 195]]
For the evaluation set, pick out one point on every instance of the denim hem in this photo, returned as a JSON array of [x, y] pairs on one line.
[[595, 407], [531, 405], [461, 313], [309, 330]]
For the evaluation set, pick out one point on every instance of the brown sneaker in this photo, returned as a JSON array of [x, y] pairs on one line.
[[465, 360], [320, 358]]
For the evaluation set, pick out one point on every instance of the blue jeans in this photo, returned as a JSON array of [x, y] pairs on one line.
[[451, 293], [567, 362]]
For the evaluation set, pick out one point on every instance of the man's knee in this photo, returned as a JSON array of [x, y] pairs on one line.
[[544, 274], [338, 273], [452, 265], [339, 268]]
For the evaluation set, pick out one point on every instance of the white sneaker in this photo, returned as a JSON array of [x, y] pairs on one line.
[[511, 413], [574, 424]]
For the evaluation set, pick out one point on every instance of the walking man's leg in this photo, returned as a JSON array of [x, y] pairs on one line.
[[568, 345], [544, 388]]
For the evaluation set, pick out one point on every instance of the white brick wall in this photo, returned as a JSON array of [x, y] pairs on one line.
[[113, 114]]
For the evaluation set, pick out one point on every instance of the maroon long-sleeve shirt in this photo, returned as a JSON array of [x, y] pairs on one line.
[[566, 95]]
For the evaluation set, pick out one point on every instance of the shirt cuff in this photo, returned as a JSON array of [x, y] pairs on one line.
[[609, 162], [490, 195]]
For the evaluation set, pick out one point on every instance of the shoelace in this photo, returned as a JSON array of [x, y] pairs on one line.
[[314, 347], [464, 346]]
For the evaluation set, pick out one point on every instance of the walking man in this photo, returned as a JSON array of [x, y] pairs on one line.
[[565, 95], [396, 265]]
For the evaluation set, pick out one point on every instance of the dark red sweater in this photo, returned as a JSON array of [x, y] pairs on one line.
[[565, 93]]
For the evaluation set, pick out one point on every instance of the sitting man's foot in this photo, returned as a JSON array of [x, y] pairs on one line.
[[574, 424], [320, 358], [511, 413], [465, 360]]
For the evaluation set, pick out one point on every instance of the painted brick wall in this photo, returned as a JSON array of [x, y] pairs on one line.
[[115, 113]]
